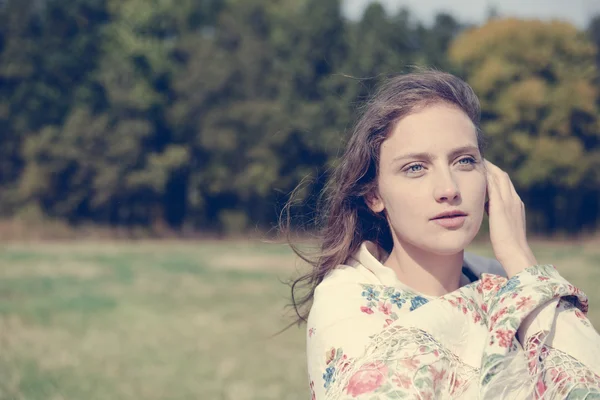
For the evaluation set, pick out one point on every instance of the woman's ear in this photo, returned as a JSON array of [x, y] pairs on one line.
[[375, 202]]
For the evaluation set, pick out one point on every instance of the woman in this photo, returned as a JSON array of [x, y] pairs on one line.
[[396, 309]]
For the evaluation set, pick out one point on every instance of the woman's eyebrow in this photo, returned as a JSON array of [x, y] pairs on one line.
[[429, 156], [421, 156], [463, 149]]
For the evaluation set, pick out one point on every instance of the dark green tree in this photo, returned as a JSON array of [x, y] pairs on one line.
[[593, 31], [48, 50], [110, 158]]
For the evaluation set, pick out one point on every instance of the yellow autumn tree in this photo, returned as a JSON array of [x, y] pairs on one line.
[[536, 83]]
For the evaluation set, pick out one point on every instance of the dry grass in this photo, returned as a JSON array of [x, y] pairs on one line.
[[169, 320], [146, 320]]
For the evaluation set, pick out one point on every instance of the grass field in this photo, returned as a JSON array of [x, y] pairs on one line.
[[159, 320]]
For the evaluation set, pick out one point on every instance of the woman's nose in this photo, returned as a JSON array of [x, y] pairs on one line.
[[446, 190]]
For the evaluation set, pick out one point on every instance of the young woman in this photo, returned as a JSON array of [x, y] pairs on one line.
[[397, 310]]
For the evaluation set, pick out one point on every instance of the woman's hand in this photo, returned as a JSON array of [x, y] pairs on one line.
[[507, 222]]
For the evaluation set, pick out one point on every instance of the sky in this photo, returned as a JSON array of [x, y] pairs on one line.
[[578, 12]]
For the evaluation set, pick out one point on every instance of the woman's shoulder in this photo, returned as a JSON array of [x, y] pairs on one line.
[[348, 279], [341, 293]]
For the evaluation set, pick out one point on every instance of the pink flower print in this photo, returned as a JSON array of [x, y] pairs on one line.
[[484, 307], [456, 383], [542, 278], [557, 375], [491, 282], [366, 310], [534, 341], [329, 355], [579, 314], [498, 315], [344, 363], [385, 308], [464, 310], [504, 336], [411, 363], [311, 332], [388, 322], [437, 376], [367, 379], [345, 366], [402, 380], [312, 390], [524, 303], [486, 283], [476, 317], [425, 395], [532, 363], [540, 389]]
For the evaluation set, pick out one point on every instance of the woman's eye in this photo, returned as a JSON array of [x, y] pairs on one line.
[[415, 168], [466, 161]]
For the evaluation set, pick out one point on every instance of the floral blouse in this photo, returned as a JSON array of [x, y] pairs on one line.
[[369, 336]]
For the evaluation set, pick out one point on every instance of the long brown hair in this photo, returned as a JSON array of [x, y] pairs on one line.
[[344, 219]]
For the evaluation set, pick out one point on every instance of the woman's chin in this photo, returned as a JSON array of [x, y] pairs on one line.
[[450, 243]]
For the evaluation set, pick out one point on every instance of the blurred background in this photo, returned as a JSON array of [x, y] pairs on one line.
[[147, 148]]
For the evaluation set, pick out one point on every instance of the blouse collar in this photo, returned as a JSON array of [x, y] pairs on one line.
[[372, 256]]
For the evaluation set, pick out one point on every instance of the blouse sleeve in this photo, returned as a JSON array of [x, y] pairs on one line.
[[338, 328], [541, 313]]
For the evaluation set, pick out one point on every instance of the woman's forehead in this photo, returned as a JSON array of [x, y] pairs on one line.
[[435, 128]]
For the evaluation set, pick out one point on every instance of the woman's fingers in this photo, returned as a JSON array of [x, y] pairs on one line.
[[495, 197], [501, 185], [508, 191], [501, 181]]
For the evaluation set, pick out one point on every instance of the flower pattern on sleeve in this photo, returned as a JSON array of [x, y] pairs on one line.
[[388, 300], [469, 305], [335, 362], [555, 373]]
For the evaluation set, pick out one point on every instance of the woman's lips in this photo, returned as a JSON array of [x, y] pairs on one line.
[[454, 222]]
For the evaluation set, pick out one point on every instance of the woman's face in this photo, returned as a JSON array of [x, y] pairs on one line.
[[431, 164]]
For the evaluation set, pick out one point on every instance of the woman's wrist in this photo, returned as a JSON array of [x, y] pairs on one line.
[[518, 262]]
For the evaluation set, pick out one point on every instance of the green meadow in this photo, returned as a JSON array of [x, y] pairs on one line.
[[172, 320]]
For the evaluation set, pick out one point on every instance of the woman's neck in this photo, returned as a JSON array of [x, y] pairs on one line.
[[428, 273]]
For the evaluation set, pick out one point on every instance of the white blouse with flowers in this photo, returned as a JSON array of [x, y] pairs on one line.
[[369, 336]]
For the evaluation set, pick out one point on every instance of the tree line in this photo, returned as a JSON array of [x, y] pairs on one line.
[[204, 115]]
